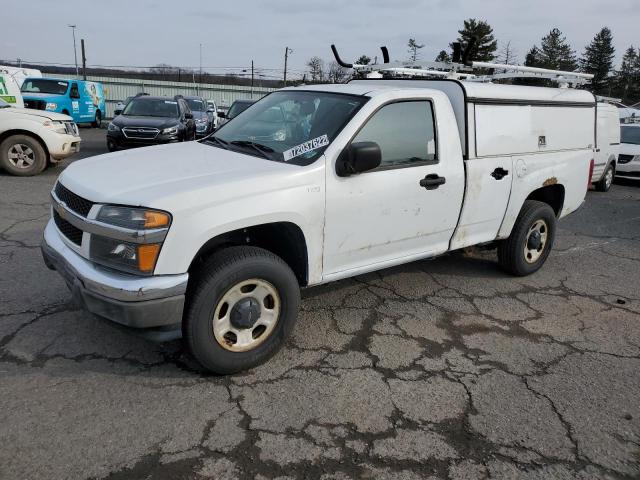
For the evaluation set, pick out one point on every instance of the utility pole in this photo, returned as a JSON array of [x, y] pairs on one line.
[[84, 60], [287, 51], [200, 79], [75, 51], [251, 79]]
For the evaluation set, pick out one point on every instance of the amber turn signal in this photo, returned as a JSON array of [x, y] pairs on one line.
[[153, 219], [147, 256]]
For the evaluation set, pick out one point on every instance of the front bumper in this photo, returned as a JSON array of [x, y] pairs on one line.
[[129, 300], [61, 146]]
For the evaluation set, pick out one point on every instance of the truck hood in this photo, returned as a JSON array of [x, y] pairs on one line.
[[38, 113], [170, 176]]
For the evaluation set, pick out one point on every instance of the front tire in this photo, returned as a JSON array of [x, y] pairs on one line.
[[531, 239], [604, 184], [22, 155], [242, 307]]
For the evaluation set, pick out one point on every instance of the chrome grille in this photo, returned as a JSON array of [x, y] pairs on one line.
[[140, 132], [71, 128]]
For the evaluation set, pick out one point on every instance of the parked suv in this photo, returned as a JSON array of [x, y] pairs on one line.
[[149, 120], [629, 159], [201, 115]]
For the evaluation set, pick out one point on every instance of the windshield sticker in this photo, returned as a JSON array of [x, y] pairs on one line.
[[64, 84], [169, 101], [305, 147]]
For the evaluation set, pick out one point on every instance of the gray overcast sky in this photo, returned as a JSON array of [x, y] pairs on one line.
[[148, 32]]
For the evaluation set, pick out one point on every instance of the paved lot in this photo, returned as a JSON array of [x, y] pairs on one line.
[[438, 369]]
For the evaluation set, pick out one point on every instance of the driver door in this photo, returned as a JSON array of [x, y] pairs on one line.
[[389, 215]]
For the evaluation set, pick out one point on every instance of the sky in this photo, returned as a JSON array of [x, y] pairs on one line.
[[149, 32]]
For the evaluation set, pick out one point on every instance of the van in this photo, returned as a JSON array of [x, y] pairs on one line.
[[82, 100], [607, 146], [11, 79]]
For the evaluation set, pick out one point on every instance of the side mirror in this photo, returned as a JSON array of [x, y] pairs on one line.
[[117, 112], [358, 157], [188, 115], [221, 114]]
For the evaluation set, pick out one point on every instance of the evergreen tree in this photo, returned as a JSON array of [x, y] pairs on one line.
[[443, 56], [532, 59], [363, 60], [413, 49], [598, 60], [627, 79], [486, 45], [556, 53]]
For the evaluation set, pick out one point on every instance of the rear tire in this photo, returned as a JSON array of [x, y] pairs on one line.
[[22, 155], [98, 121], [531, 239], [604, 184], [233, 288]]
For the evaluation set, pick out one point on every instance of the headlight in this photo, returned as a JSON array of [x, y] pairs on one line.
[[51, 106], [113, 127], [55, 125], [125, 256], [134, 218], [128, 256], [170, 130]]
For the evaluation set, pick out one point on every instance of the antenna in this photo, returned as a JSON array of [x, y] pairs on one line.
[[385, 54]]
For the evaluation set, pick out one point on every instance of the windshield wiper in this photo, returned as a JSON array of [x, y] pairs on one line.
[[213, 138], [263, 150]]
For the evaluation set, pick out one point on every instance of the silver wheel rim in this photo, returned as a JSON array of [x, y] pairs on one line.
[[21, 156], [532, 252], [608, 178], [234, 338]]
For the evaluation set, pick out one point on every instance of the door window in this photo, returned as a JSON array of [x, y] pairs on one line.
[[74, 93], [405, 132]]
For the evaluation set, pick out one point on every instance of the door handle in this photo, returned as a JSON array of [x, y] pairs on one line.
[[499, 173], [432, 181]]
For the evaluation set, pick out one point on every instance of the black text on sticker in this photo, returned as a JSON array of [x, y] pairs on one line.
[[305, 147]]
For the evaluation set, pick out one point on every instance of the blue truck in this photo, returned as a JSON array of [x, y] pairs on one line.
[[82, 100]]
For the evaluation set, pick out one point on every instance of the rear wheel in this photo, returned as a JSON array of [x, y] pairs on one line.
[[243, 305], [604, 184], [22, 155], [98, 121], [531, 239]]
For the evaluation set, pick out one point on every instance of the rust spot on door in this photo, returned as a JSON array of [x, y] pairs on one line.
[[550, 181]]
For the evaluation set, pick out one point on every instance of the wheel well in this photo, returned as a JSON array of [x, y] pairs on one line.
[[550, 194], [283, 239], [8, 133]]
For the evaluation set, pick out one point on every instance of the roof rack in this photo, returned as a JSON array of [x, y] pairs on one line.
[[461, 68]]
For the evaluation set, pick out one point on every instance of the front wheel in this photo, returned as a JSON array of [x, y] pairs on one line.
[[242, 306], [604, 184], [22, 155], [531, 239]]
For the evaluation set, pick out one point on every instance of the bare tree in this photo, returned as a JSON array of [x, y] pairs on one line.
[[337, 74], [316, 69], [508, 54], [413, 49]]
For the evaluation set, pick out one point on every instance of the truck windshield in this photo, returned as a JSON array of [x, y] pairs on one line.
[[151, 107], [293, 126], [630, 135], [43, 85]]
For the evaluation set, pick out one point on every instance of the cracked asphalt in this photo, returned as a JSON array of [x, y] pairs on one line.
[[441, 369]]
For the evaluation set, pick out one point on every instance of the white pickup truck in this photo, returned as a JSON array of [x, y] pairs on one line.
[[32, 139], [214, 239]]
